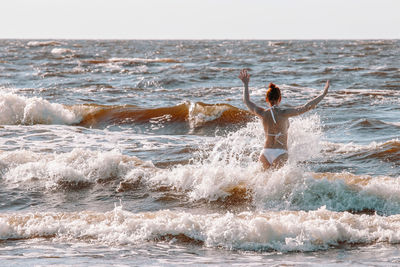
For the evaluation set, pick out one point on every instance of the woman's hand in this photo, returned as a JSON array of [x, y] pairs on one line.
[[244, 76], [326, 87]]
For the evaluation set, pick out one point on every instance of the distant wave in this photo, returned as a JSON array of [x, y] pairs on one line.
[[353, 69], [377, 73], [353, 97], [283, 231], [132, 60], [373, 124], [366, 92], [60, 51], [43, 43], [362, 43], [277, 43], [387, 151]]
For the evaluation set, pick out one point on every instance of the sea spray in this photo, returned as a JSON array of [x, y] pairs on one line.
[[233, 159], [78, 167], [15, 109], [231, 163], [289, 188]]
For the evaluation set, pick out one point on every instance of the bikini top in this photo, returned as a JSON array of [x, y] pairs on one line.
[[278, 134]]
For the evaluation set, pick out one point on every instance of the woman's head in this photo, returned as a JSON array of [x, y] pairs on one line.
[[273, 96]]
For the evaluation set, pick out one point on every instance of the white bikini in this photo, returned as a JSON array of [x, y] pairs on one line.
[[272, 153]]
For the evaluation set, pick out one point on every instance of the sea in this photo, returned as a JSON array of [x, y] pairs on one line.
[[142, 153]]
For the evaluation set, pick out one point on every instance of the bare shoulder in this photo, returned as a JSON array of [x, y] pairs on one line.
[[288, 111], [259, 111]]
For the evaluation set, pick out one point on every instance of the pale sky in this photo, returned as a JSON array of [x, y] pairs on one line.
[[200, 19]]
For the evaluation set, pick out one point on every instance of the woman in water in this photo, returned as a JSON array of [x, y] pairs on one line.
[[275, 121]]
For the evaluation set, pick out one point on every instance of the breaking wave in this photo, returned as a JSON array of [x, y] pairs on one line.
[[387, 151], [16, 110], [251, 231], [196, 114], [43, 43], [132, 60], [74, 170], [223, 170]]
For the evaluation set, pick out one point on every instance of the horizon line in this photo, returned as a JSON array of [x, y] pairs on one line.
[[203, 39]]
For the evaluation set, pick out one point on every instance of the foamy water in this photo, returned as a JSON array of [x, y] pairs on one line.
[[258, 231], [21, 110], [142, 152]]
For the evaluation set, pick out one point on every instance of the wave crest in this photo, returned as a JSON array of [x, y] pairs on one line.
[[74, 170], [16, 109], [197, 114], [132, 60], [253, 231], [387, 151], [43, 43]]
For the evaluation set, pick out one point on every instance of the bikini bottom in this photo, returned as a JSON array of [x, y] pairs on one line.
[[271, 154]]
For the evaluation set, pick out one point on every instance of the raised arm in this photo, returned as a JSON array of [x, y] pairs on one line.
[[245, 77], [310, 105]]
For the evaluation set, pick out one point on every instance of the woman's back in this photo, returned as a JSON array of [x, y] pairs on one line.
[[275, 121], [276, 126]]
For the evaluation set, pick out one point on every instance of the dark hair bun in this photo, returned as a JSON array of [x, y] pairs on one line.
[[273, 94]]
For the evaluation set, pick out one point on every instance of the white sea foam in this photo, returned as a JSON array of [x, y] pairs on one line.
[[234, 159], [200, 114], [60, 51], [254, 231], [16, 109], [231, 162], [21, 168], [224, 163], [353, 147], [43, 43], [142, 60]]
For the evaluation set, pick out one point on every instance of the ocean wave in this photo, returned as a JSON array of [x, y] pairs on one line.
[[74, 170], [367, 43], [228, 171], [376, 73], [16, 109], [284, 231], [373, 124], [303, 59], [353, 97], [196, 114], [387, 151], [61, 51], [56, 73], [132, 60], [367, 92], [227, 184], [43, 43], [224, 170], [290, 188], [353, 69], [232, 159], [277, 43]]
